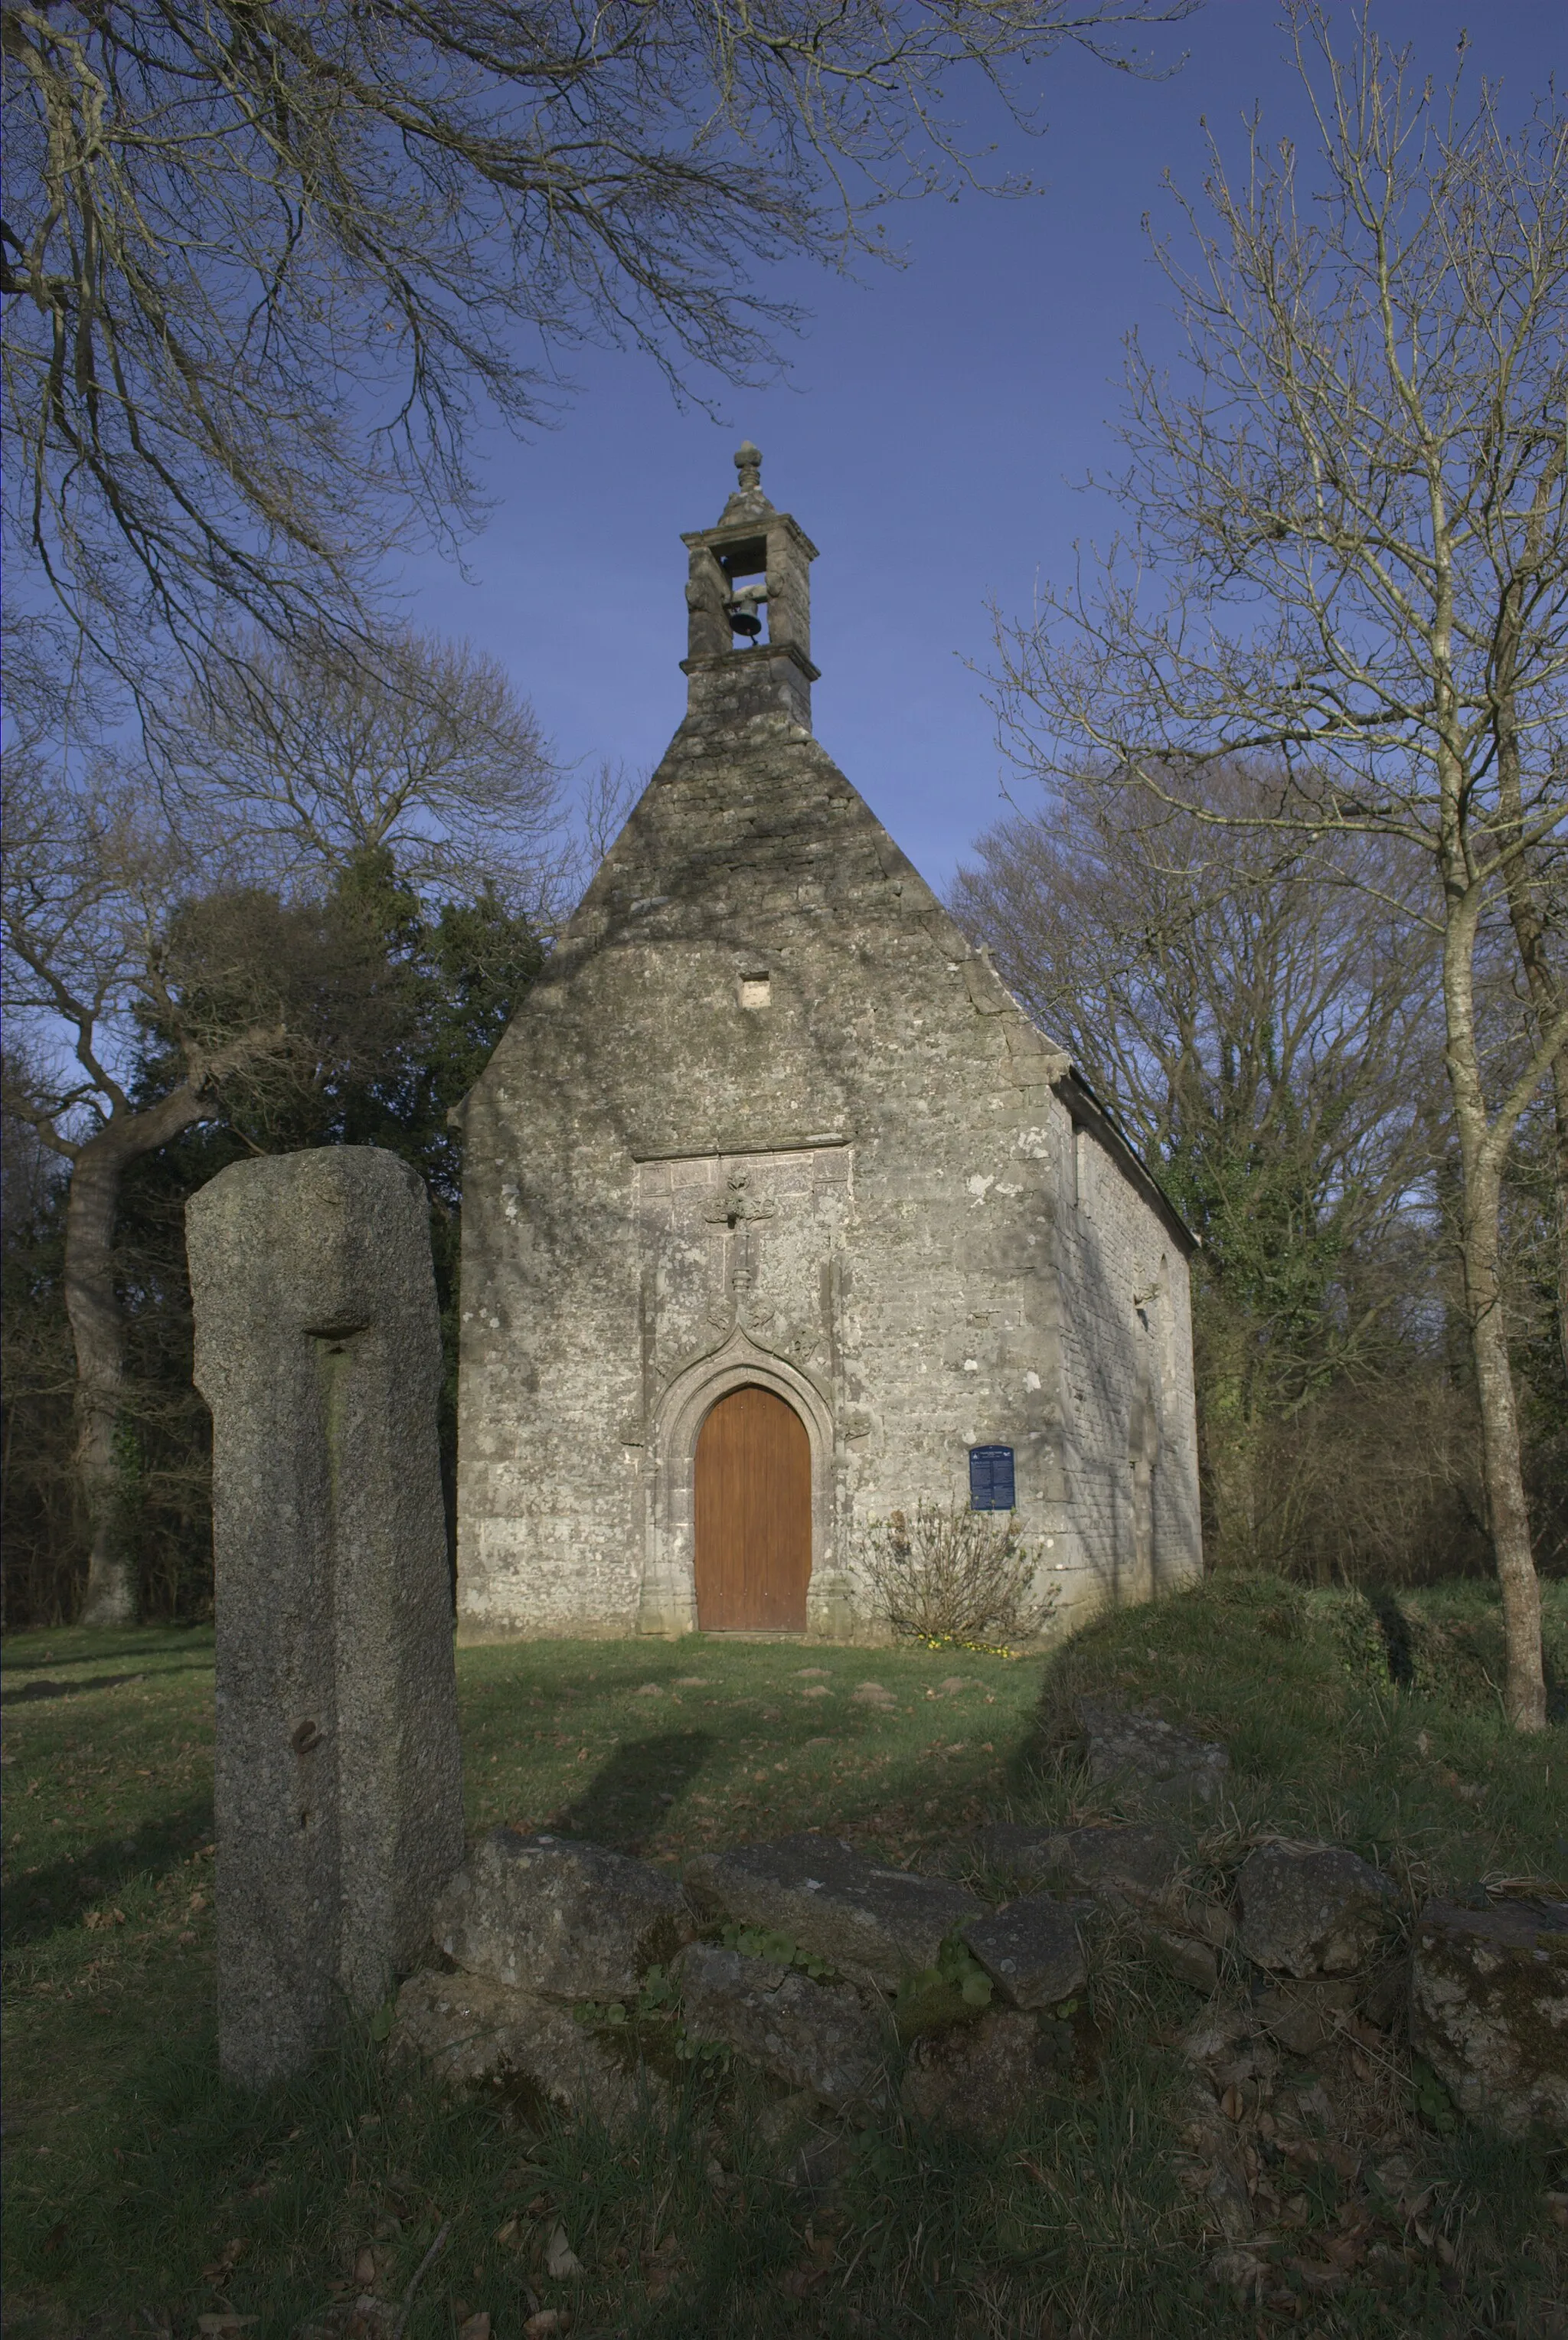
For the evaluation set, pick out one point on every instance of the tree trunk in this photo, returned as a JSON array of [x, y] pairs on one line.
[[1483, 1146], [97, 1329], [97, 1326], [1560, 1133], [1508, 1517]]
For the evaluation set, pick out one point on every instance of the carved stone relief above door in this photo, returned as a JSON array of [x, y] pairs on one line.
[[739, 1242], [738, 1286]]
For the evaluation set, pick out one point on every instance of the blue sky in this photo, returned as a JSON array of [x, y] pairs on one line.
[[931, 436]]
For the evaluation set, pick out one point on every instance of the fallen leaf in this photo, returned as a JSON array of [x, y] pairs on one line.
[[365, 2265], [227, 2260], [801, 2281], [213, 2326], [559, 2259], [1383, 2262], [1318, 2274], [372, 2319], [547, 2322], [1239, 2271], [475, 2327], [1233, 2104]]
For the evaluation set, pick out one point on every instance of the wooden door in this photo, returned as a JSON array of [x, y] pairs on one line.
[[753, 1516]]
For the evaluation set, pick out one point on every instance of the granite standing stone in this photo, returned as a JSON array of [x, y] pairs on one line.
[[338, 1786]]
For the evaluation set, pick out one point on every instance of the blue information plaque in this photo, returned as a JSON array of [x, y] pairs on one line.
[[991, 1479]]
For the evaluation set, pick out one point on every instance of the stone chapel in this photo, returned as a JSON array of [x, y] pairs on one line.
[[780, 1216]]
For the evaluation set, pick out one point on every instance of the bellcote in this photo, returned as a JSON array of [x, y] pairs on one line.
[[748, 609]]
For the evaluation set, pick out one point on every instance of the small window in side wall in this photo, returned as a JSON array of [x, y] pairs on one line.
[[991, 1484]]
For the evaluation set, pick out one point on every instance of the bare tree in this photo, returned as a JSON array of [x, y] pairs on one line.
[[1348, 546], [210, 939], [326, 751], [1242, 994], [121, 928], [36, 1376], [265, 263]]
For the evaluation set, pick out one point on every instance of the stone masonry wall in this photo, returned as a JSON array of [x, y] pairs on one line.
[[768, 1118], [1132, 1511]]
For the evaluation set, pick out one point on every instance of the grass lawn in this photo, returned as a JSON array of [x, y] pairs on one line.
[[142, 2195]]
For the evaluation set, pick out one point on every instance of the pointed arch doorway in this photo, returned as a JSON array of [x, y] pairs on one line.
[[752, 1515]]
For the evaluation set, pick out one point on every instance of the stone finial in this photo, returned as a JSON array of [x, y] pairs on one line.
[[748, 463]]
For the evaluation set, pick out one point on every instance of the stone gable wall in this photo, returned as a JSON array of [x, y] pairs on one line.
[[766, 1117]]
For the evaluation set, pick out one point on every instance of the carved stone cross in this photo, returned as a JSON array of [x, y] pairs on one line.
[[736, 1211], [736, 1205]]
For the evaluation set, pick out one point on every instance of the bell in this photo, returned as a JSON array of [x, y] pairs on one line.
[[742, 610]]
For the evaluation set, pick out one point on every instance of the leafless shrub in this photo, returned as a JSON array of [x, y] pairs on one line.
[[950, 1574], [1374, 1485]]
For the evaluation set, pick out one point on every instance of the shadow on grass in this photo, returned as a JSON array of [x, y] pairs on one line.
[[47, 1689], [623, 1802], [47, 1652], [1395, 1627], [57, 1896]]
